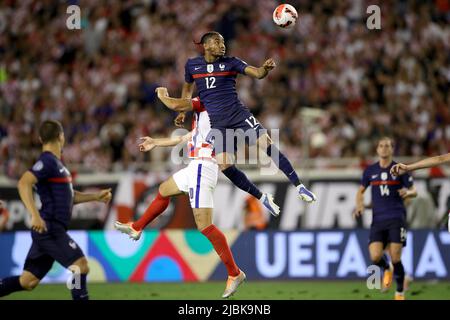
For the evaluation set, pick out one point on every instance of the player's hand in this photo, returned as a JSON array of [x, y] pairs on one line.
[[105, 195], [399, 169], [162, 92], [269, 64], [38, 224], [147, 144], [179, 120], [403, 192], [358, 212]]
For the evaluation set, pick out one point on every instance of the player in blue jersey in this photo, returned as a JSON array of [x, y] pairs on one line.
[[388, 227], [53, 183], [215, 74]]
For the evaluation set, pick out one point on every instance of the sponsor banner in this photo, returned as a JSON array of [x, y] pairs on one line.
[[186, 255], [333, 254], [132, 193]]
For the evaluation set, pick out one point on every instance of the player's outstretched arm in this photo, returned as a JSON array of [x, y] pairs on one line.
[[261, 72], [180, 105], [25, 187], [102, 196], [149, 143], [401, 168], [359, 210]]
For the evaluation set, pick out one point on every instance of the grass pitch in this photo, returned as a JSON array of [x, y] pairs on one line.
[[250, 290]]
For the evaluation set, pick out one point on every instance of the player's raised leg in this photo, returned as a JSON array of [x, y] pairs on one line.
[[267, 145], [240, 180], [134, 229], [399, 271], [203, 219]]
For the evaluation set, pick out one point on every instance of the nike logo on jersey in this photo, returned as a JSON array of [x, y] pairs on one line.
[[197, 68], [73, 245], [62, 170], [374, 176]]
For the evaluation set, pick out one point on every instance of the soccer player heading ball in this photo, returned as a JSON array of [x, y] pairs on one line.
[[215, 74]]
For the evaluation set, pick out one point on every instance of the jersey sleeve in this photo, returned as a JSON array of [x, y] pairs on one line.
[[187, 73], [239, 65], [197, 105], [407, 180], [41, 169], [365, 181]]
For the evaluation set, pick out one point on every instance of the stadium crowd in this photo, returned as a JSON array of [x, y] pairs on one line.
[[99, 81]]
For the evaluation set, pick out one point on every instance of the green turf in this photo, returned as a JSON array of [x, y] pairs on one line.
[[252, 290]]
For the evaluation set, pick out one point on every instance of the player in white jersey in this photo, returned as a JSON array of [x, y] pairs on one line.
[[198, 179]]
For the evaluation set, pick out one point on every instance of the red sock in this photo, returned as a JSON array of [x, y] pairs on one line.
[[219, 242], [157, 207]]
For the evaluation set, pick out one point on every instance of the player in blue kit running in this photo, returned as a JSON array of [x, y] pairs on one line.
[[215, 74], [388, 227], [49, 225]]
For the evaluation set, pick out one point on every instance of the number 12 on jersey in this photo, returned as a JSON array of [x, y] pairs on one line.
[[210, 81]]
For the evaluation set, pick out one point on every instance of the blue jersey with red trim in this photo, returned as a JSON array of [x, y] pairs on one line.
[[386, 201], [216, 86], [54, 188]]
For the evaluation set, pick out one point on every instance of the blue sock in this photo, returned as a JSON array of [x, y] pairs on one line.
[[383, 263], [399, 275], [81, 293], [241, 181], [283, 164], [10, 285]]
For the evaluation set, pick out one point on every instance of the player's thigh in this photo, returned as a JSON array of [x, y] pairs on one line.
[[37, 264], [376, 250], [202, 183], [61, 247], [264, 141], [395, 251], [203, 217], [224, 160], [170, 187]]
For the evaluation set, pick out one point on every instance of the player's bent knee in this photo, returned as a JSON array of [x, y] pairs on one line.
[[80, 266], [29, 283], [224, 166]]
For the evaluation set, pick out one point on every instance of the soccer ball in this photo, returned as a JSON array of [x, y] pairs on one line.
[[285, 16]]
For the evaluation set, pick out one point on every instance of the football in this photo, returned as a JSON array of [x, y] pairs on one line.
[[285, 16]]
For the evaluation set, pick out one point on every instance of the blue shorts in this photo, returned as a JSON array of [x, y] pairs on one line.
[[54, 245], [388, 231], [246, 130]]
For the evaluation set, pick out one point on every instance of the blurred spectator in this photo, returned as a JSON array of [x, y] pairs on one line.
[[99, 81]]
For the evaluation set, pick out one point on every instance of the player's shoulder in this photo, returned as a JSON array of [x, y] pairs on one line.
[[195, 60], [372, 167], [230, 59]]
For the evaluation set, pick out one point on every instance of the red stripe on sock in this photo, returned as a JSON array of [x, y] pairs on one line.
[[158, 205], [219, 242]]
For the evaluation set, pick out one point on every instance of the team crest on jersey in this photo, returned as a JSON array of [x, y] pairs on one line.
[[210, 68], [222, 67], [384, 176]]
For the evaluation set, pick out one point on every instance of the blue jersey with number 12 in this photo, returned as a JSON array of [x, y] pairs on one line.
[[216, 85]]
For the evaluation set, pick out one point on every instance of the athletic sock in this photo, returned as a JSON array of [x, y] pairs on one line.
[[241, 181], [10, 285], [283, 164], [219, 242], [158, 205], [81, 292], [399, 275]]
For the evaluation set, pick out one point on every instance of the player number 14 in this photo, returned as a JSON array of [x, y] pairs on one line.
[[210, 81]]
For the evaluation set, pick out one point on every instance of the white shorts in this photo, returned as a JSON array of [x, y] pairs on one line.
[[198, 179]]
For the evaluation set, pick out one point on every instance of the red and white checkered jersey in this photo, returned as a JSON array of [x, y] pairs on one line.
[[198, 147]]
